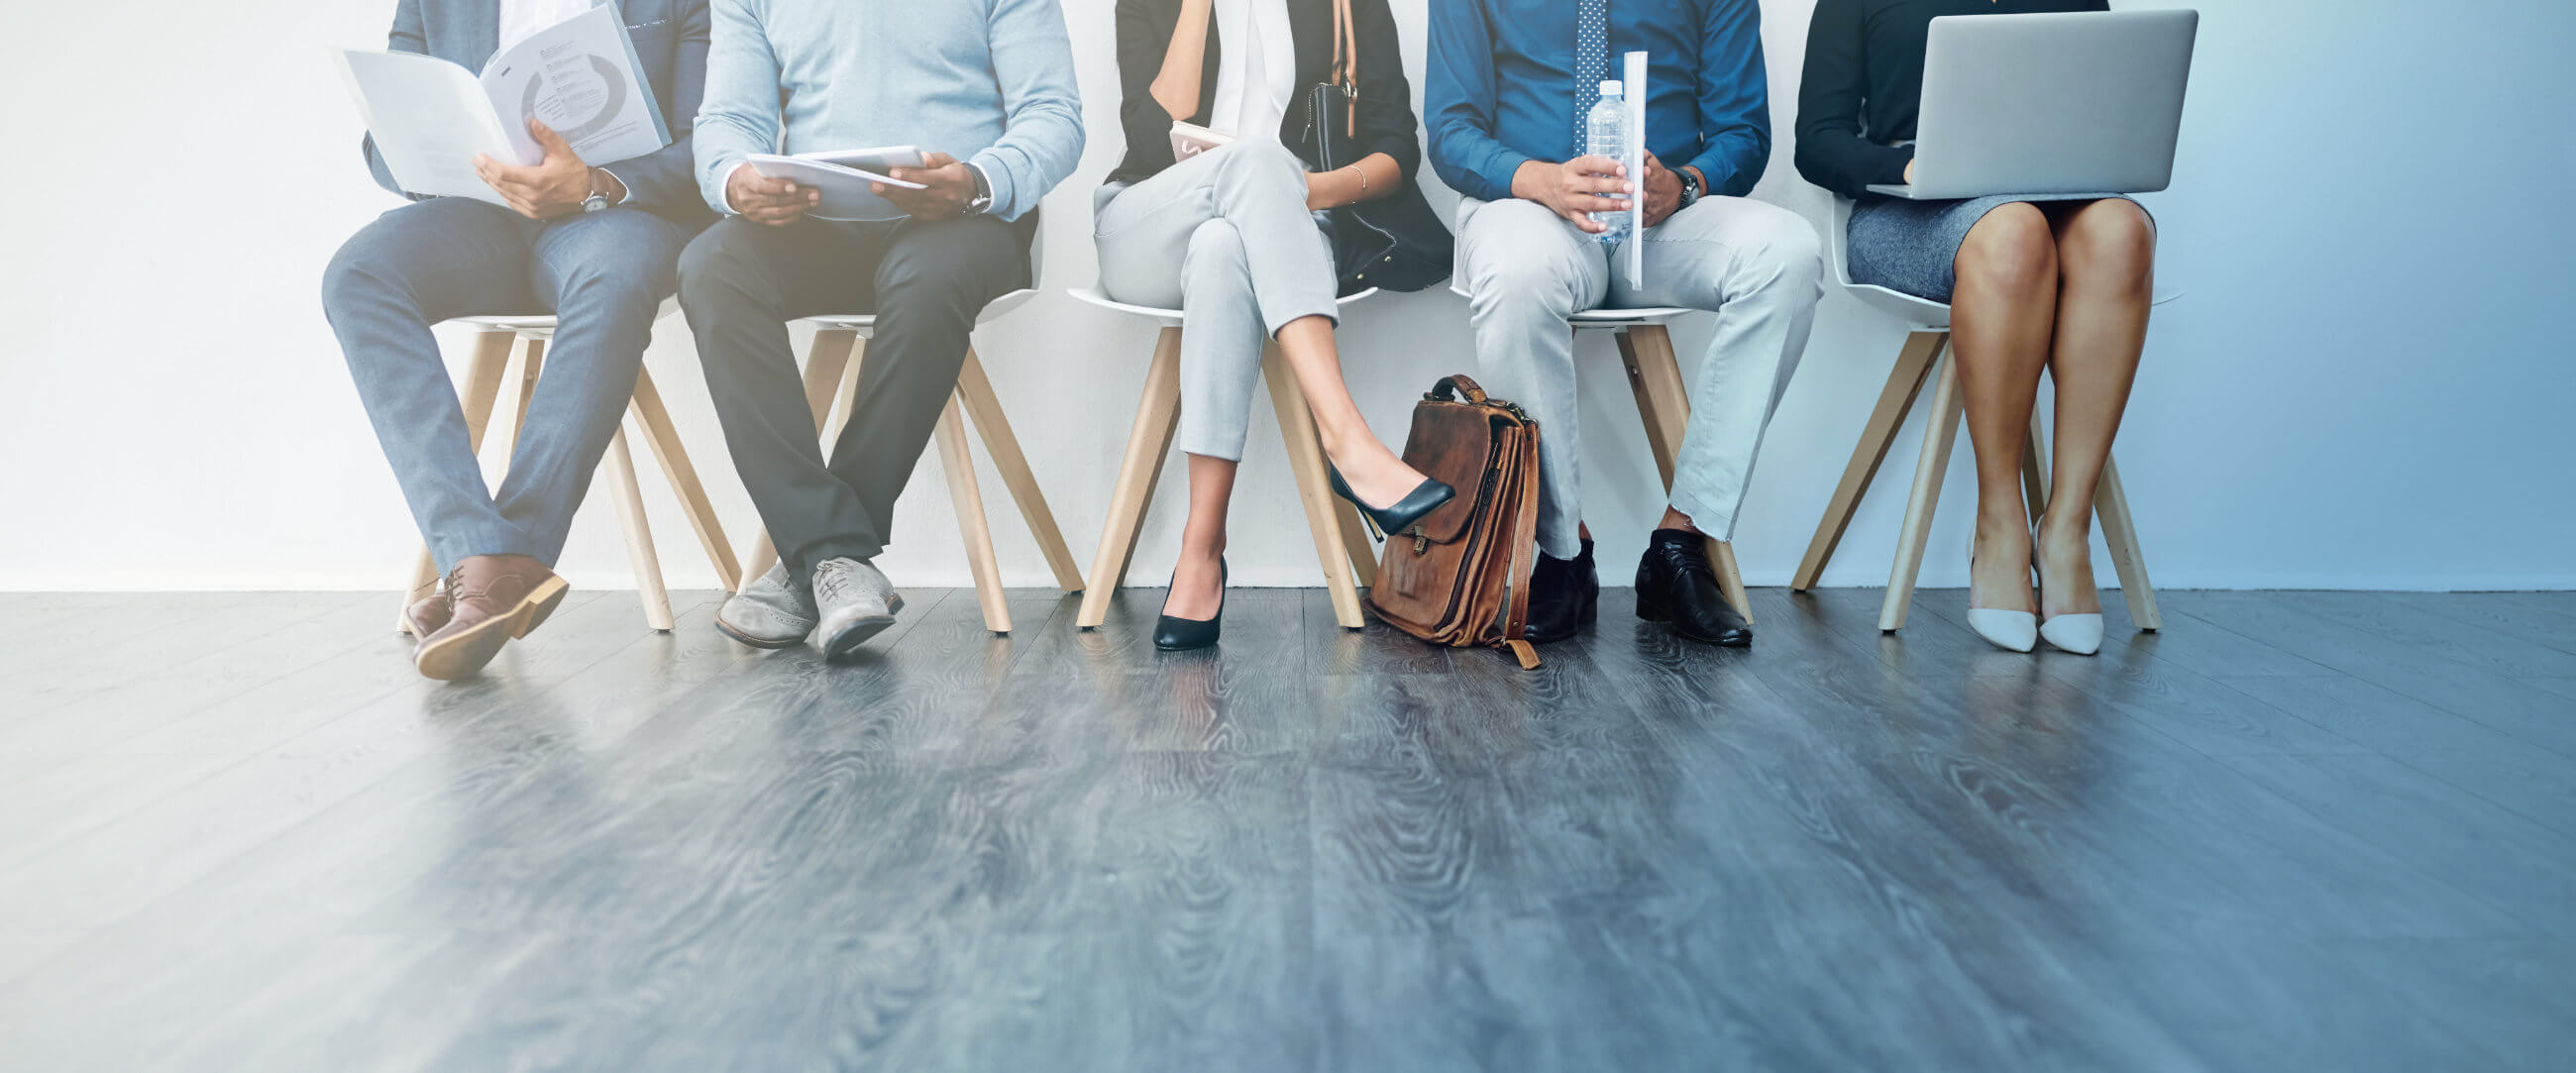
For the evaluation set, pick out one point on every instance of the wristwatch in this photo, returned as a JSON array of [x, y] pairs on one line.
[[597, 200], [1690, 188], [982, 202]]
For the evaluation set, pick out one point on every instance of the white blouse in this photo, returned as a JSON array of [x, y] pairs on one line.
[[519, 18], [1256, 68]]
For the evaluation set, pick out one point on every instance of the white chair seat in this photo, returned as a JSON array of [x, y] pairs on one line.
[[542, 325], [1169, 318], [864, 323]]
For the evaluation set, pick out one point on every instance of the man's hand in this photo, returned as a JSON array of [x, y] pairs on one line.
[[1663, 191], [1909, 172], [763, 200], [546, 189], [947, 186], [1576, 188]]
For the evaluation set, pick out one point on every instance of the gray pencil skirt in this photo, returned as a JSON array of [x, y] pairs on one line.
[[1909, 246]]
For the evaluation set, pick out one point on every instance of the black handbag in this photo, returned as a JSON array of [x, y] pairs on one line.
[[1396, 242]]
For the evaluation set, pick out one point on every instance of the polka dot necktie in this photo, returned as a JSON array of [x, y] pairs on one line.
[[1591, 65]]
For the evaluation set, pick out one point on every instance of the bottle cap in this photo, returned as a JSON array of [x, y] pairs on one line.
[[1611, 87]]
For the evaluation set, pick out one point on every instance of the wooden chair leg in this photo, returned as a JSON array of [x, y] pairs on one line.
[[1356, 540], [975, 392], [2120, 533], [483, 375], [1148, 439], [964, 493], [1663, 404], [1940, 431], [1306, 460], [620, 466], [1904, 383], [824, 370], [653, 423]]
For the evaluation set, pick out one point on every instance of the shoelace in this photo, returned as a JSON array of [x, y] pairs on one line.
[[832, 583], [1691, 556]]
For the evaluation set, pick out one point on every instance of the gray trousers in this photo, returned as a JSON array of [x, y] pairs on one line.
[[1526, 270], [1226, 238], [602, 274], [740, 284]]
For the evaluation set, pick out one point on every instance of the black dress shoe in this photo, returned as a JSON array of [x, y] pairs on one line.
[[1423, 499], [1565, 594], [1676, 586], [1182, 634]]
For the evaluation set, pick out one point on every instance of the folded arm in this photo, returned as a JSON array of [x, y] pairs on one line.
[[738, 113], [1042, 111], [1832, 151], [1734, 99], [1458, 92]]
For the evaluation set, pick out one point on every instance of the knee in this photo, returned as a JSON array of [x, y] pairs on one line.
[[2011, 250], [1215, 251], [351, 279], [615, 284], [712, 264], [1781, 248], [1524, 280], [2109, 246]]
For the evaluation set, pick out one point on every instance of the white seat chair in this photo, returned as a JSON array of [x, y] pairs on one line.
[[832, 372], [1341, 545], [497, 337], [1929, 324], [1645, 342]]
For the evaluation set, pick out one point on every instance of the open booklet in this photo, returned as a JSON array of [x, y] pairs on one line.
[[844, 175], [430, 117]]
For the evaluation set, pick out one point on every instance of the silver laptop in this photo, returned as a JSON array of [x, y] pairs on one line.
[[2079, 103]]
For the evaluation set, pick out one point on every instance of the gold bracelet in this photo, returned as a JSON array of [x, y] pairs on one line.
[[1355, 170]]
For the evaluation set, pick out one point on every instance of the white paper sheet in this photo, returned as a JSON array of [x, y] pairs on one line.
[[430, 117], [1635, 97], [845, 190]]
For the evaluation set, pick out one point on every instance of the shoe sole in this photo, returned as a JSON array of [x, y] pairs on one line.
[[465, 653], [854, 635], [773, 643]]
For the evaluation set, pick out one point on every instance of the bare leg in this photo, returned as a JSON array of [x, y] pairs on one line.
[[2001, 317], [1198, 586], [2106, 255], [1371, 468]]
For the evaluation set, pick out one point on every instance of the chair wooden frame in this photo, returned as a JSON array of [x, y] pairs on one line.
[[1663, 405], [832, 371], [490, 366], [1342, 545], [1924, 358]]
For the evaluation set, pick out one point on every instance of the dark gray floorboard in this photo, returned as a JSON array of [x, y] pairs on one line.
[[2291, 831]]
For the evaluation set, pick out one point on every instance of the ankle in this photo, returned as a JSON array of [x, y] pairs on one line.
[[1674, 519]]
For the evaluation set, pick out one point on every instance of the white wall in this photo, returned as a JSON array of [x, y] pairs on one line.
[[2365, 384]]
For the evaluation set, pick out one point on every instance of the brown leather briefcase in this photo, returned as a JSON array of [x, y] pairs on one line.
[[1460, 576]]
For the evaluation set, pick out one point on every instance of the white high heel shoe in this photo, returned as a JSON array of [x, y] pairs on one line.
[[2012, 631], [2079, 634]]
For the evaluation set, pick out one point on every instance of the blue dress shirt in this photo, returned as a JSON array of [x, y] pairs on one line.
[[1499, 88], [989, 82]]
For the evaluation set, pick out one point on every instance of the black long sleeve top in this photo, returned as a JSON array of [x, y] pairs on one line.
[[1862, 88], [1386, 120]]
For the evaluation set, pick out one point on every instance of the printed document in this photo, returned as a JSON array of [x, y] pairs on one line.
[[579, 77]]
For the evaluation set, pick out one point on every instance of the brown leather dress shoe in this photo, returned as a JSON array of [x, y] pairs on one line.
[[427, 614], [494, 598]]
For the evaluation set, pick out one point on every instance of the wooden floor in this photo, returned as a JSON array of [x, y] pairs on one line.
[[2293, 831]]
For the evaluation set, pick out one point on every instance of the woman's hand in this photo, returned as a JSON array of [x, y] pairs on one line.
[[1374, 177]]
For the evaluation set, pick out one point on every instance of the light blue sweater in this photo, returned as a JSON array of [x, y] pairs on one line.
[[989, 82]]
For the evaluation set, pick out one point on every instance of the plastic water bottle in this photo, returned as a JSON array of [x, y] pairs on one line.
[[1606, 135]]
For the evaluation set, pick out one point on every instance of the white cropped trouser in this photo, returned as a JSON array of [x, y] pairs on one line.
[[1756, 265], [1225, 237]]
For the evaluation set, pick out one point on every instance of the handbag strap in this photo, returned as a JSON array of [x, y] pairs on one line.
[[1346, 66], [1452, 386]]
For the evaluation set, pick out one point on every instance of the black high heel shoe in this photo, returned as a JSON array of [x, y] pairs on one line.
[[1182, 634], [1423, 499]]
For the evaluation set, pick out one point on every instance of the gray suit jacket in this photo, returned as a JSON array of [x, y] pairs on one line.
[[670, 37]]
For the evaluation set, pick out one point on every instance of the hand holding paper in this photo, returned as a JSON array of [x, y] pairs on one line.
[[551, 187]]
